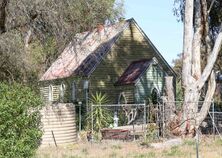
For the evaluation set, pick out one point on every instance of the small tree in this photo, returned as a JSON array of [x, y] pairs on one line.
[[19, 121]]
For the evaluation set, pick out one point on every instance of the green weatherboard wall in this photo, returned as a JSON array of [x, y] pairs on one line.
[[132, 45]]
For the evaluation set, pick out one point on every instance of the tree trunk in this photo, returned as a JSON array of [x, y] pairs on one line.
[[193, 80], [3, 4], [170, 108]]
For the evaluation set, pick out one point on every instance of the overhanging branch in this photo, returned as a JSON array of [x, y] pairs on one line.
[[211, 61]]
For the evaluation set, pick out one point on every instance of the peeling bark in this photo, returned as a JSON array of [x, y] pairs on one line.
[[187, 42], [196, 62], [207, 101], [196, 34], [170, 108]]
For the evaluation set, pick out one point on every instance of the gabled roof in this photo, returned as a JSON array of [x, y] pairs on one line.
[[84, 53], [133, 72]]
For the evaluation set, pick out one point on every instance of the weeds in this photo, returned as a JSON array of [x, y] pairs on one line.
[[147, 155], [173, 152], [113, 155], [116, 147], [189, 142]]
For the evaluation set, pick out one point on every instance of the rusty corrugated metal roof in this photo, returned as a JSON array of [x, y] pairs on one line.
[[133, 72], [83, 54]]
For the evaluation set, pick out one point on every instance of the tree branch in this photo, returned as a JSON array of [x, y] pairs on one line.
[[211, 5], [207, 101], [212, 59]]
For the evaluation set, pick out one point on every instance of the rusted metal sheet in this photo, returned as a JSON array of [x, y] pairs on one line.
[[133, 72], [120, 134], [82, 55]]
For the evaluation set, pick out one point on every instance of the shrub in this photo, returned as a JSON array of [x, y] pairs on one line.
[[20, 131], [102, 116]]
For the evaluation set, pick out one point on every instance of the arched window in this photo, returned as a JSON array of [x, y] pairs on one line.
[[73, 91], [155, 96], [50, 93], [122, 98], [62, 91]]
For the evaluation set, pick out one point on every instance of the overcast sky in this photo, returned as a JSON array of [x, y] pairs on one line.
[[156, 18]]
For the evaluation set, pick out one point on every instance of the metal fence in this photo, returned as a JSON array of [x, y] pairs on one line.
[[140, 119], [212, 124], [128, 121]]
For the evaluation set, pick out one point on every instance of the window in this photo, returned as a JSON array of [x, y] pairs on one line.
[[62, 91], [73, 91], [50, 93], [85, 84], [155, 96]]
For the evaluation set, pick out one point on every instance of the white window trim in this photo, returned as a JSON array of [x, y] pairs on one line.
[[62, 91], [50, 93]]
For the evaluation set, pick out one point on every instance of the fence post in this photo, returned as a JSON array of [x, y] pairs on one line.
[[213, 111], [92, 122], [163, 118], [144, 119], [197, 144], [80, 116]]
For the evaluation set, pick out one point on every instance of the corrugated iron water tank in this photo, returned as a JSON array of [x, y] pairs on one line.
[[59, 124]]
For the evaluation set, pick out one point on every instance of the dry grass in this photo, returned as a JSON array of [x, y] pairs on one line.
[[118, 149]]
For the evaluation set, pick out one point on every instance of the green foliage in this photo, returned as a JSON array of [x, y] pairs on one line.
[[101, 115], [19, 121], [147, 155], [116, 147], [174, 152], [151, 134], [189, 142], [33, 33]]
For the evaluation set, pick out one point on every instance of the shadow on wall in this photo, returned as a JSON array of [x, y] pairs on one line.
[[129, 47]]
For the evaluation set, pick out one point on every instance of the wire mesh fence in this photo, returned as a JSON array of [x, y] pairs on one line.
[[119, 121], [211, 125], [134, 121]]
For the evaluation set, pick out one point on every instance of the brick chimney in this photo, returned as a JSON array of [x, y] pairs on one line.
[[100, 27]]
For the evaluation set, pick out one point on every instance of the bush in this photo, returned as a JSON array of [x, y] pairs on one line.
[[102, 116], [20, 130]]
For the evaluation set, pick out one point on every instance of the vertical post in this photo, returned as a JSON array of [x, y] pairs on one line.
[[163, 118], [134, 137], [86, 88], [80, 116], [92, 122], [197, 144], [213, 111], [87, 104], [144, 119]]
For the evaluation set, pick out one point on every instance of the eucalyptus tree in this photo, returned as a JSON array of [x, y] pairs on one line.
[[202, 35], [32, 33]]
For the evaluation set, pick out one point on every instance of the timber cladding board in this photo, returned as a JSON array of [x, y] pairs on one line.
[[153, 78], [56, 85], [130, 47], [132, 44]]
